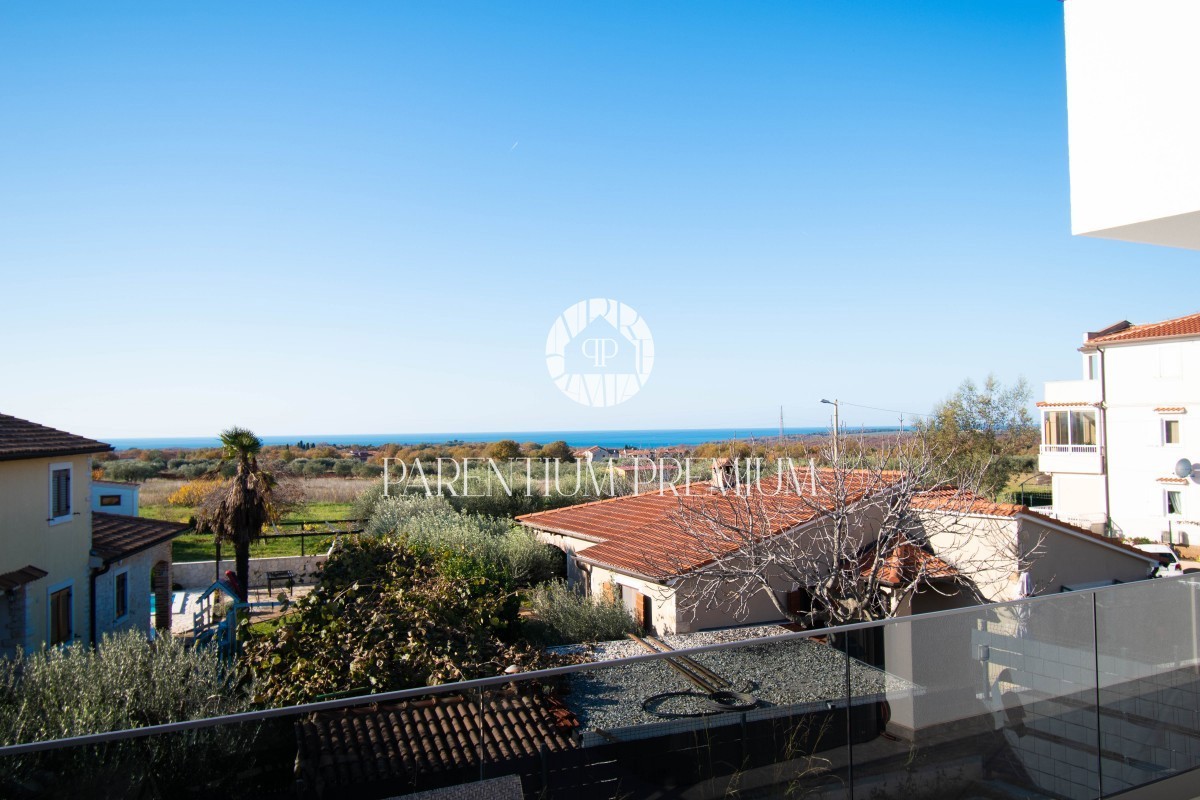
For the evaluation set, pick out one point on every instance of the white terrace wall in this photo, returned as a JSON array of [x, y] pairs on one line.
[[197, 574]]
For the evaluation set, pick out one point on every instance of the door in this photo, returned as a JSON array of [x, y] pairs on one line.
[[61, 612]]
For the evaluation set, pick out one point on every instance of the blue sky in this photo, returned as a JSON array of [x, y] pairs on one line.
[[336, 218]]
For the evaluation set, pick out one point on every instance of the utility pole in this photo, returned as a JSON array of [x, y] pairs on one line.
[[836, 427]]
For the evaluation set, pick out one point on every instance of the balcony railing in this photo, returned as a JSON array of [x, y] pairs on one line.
[[1078, 695], [1071, 448]]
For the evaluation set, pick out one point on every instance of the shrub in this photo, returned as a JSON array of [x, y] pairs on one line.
[[132, 471], [431, 523], [125, 682], [570, 618], [192, 494], [388, 616], [367, 471]]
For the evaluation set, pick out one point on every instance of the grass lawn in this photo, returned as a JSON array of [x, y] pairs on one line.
[[200, 547]]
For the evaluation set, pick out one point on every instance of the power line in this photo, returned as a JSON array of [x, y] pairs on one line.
[[889, 410]]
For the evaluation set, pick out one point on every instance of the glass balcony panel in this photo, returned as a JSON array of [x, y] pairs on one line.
[[777, 725], [1149, 680], [983, 703]]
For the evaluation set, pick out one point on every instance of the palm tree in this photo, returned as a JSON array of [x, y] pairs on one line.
[[237, 511]]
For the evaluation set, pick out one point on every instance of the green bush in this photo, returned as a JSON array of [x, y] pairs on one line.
[[567, 617], [388, 616], [132, 471], [367, 471], [432, 523], [125, 682]]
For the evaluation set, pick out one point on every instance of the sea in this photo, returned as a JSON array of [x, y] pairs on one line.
[[658, 437]]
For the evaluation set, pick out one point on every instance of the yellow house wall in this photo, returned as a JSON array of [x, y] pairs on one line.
[[26, 537]]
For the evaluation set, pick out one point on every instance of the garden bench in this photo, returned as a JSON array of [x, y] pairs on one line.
[[284, 576]]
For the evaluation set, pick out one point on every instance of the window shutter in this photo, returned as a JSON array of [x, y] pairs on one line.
[[62, 492]]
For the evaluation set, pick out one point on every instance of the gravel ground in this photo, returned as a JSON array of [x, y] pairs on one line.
[[779, 674]]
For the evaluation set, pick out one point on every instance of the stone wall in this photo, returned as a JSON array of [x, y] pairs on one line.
[[12, 620], [138, 568], [198, 574]]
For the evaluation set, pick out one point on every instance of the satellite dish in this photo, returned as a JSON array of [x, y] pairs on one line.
[[1183, 468]]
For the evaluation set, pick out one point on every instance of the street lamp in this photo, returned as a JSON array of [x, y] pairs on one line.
[[836, 423]]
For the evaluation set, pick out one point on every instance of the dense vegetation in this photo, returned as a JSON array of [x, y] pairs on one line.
[[126, 681], [389, 615], [563, 616]]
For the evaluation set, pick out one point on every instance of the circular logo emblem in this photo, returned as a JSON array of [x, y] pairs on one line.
[[599, 352]]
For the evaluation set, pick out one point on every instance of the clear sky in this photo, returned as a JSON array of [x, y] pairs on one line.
[[365, 217]]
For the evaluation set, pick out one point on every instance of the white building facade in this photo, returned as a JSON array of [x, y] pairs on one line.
[[1113, 439], [1132, 71]]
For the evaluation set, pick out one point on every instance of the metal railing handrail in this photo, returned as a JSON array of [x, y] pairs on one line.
[[553, 672]]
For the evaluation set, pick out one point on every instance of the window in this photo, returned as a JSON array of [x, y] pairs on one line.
[[1091, 367], [110, 500], [1174, 502], [1170, 431], [61, 614], [1069, 427], [60, 492], [121, 601]]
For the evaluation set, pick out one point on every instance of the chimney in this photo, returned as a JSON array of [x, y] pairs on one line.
[[724, 473]]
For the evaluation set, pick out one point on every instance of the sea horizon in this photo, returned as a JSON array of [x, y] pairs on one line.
[[634, 438]]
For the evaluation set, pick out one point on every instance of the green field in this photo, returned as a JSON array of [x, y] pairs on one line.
[[200, 547]]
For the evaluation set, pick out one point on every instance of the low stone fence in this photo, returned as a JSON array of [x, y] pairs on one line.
[[199, 574]]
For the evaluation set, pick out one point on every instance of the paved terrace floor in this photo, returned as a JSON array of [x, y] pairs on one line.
[[185, 603]]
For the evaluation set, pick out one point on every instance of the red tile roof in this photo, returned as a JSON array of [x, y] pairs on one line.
[[907, 562], [660, 535], [1181, 326], [20, 577], [118, 536], [1171, 410], [1044, 404], [441, 734], [21, 439], [956, 501]]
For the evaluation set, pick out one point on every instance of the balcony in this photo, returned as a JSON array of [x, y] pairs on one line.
[[1078, 695], [1080, 459]]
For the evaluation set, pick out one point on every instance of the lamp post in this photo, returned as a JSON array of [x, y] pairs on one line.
[[836, 425]]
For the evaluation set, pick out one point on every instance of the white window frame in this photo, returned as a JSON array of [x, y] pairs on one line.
[[56, 467], [116, 574], [1167, 503], [50, 592], [1162, 431]]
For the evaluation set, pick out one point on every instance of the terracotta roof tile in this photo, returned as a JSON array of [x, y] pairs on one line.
[[20, 577], [1171, 410], [660, 534], [907, 562], [955, 501], [117, 536], [1044, 404], [20, 439], [1174, 480], [425, 737], [1180, 326]]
